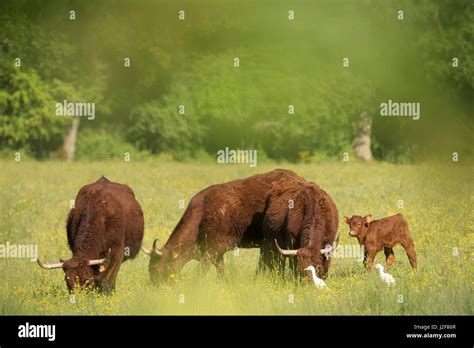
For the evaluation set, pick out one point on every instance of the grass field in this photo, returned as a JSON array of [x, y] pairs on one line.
[[437, 202]]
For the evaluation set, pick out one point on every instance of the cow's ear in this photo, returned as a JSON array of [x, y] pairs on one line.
[[174, 254], [346, 219]]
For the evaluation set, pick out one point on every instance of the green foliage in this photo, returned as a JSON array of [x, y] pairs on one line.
[[448, 33], [98, 144], [161, 129], [27, 113], [250, 108], [282, 62], [48, 52]]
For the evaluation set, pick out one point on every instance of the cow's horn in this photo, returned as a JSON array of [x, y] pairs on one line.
[[96, 262], [49, 265], [328, 249], [146, 251], [286, 252], [155, 248]]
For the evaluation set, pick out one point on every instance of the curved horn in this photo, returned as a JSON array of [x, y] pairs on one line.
[[286, 252], [155, 248], [49, 265], [146, 251], [96, 262], [328, 249]]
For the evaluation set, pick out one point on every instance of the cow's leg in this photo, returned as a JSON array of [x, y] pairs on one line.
[[265, 261], [261, 264], [219, 263], [389, 257], [107, 281], [205, 263], [409, 246], [293, 265], [213, 257], [267, 257], [274, 259], [282, 266]]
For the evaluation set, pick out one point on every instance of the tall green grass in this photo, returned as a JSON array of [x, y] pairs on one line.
[[437, 203]]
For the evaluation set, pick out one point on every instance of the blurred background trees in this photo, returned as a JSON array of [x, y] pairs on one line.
[[182, 95]]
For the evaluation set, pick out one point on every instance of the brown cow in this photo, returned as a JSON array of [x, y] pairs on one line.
[[375, 235], [301, 216], [217, 219], [104, 229]]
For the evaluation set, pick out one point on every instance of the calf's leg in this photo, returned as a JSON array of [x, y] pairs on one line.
[[366, 255], [389, 257], [409, 246], [370, 259]]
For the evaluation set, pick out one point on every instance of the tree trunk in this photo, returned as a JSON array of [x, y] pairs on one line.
[[361, 143], [69, 146]]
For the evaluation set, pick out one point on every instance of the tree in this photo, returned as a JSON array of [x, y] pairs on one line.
[[362, 141], [27, 113]]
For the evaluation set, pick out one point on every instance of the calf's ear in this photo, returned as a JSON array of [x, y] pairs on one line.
[[346, 219], [368, 219]]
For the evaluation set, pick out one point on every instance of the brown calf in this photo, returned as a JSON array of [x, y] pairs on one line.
[[375, 235]]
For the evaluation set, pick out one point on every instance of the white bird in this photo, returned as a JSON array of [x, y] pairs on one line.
[[317, 281], [387, 278]]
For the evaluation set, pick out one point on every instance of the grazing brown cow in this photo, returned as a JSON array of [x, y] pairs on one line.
[[217, 219], [300, 216], [385, 233], [104, 229]]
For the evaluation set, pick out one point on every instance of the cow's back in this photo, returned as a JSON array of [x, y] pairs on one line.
[[235, 209], [113, 205], [302, 195]]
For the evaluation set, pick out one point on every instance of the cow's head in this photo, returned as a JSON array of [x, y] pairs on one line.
[[358, 225], [311, 256], [77, 271], [164, 263]]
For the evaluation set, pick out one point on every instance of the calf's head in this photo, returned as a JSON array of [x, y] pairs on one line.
[[77, 271], [358, 225]]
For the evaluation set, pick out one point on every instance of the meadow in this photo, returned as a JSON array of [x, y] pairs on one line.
[[437, 203]]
